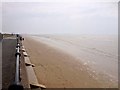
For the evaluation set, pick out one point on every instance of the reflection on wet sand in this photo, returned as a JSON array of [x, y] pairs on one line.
[[74, 61]]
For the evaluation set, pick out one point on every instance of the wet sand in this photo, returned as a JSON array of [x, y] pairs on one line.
[[99, 52], [57, 69]]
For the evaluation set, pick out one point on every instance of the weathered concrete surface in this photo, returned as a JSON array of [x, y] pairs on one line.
[[0, 65], [9, 62]]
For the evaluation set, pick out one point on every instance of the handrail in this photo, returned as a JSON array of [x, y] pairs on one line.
[[17, 77], [16, 85]]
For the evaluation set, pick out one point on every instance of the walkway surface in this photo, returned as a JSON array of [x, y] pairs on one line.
[[9, 62]]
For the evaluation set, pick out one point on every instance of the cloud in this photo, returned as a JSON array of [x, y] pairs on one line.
[[81, 9], [0, 17], [54, 17], [59, 1]]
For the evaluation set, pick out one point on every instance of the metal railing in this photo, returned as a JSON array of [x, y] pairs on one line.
[[16, 85]]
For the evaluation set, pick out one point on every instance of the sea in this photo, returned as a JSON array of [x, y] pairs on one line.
[[98, 52]]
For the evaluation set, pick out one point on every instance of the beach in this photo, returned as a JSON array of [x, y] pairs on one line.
[[74, 61]]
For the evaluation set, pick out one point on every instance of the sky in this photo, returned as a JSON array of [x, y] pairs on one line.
[[60, 17]]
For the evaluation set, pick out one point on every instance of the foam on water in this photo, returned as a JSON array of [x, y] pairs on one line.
[[100, 53]]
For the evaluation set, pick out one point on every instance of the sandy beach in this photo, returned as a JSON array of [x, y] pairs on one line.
[[55, 68]]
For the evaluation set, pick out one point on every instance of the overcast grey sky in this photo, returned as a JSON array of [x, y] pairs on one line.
[[69, 16]]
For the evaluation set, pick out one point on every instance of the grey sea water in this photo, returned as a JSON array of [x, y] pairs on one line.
[[99, 52]]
